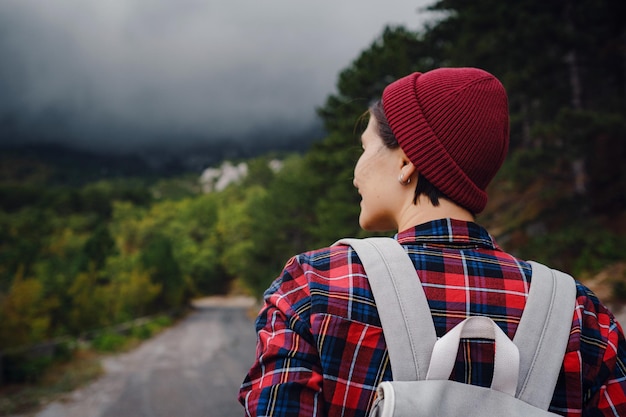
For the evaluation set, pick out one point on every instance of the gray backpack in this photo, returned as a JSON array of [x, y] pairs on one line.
[[525, 369]]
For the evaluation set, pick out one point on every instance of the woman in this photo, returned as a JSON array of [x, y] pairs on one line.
[[431, 147]]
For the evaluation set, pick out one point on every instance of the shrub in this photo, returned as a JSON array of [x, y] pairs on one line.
[[19, 368], [109, 342]]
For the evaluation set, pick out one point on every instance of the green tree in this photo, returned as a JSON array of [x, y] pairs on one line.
[[90, 303], [23, 313], [23, 237], [197, 246], [157, 257], [133, 294], [262, 229], [549, 55], [235, 235], [98, 247]]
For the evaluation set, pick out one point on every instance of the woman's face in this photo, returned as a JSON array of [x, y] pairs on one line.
[[376, 178]]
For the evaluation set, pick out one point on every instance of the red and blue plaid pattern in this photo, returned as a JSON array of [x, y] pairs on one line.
[[321, 350]]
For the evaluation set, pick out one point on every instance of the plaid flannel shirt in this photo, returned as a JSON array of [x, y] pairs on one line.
[[321, 350]]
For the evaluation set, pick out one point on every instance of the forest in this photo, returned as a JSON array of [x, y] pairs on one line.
[[77, 256]]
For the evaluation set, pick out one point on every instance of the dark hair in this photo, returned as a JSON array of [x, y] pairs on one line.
[[423, 186]]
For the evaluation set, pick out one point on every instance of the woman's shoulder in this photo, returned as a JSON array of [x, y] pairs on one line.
[[327, 257], [592, 308], [325, 277], [327, 266], [330, 262]]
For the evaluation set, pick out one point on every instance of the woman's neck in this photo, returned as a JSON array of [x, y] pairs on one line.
[[424, 211]]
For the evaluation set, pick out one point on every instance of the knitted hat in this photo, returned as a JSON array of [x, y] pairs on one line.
[[453, 124]]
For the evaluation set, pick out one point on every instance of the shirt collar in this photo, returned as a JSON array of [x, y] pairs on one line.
[[448, 232]]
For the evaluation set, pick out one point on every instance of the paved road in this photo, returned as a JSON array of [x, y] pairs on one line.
[[193, 369]]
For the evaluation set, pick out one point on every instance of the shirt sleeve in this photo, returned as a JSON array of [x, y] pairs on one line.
[[610, 398], [286, 378]]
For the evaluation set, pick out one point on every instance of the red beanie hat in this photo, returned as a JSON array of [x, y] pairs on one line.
[[453, 124]]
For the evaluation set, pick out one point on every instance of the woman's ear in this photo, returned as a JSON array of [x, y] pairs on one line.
[[408, 171]]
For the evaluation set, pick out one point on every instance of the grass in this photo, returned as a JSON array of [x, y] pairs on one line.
[[58, 379]]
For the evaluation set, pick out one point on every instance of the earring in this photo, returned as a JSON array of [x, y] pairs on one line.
[[401, 180]]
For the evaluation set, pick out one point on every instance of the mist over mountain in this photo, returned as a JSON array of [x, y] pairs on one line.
[[58, 163]]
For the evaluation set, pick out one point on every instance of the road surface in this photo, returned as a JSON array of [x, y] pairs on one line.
[[193, 369]]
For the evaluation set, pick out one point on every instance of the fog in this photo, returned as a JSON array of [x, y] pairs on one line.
[[128, 73]]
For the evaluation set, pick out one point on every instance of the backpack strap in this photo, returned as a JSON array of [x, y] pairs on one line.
[[402, 306], [543, 333]]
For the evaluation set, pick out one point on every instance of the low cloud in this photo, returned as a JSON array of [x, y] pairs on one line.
[[125, 73]]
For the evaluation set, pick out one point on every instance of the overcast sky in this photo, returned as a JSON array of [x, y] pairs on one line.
[[122, 73]]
